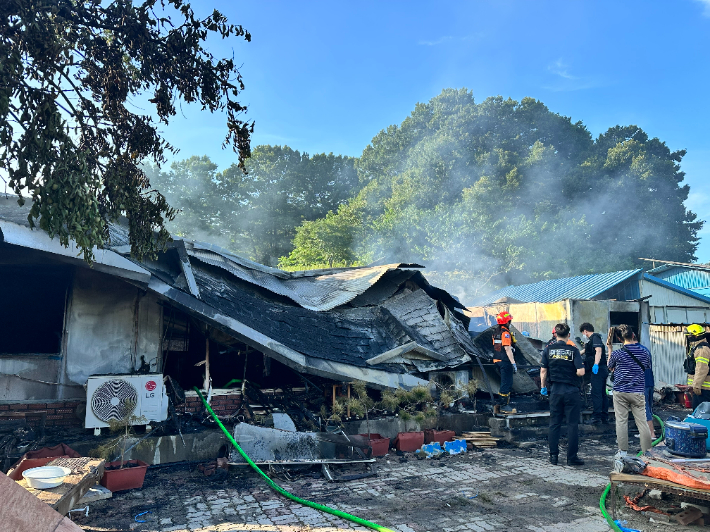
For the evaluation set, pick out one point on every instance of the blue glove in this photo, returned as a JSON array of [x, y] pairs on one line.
[[595, 368], [515, 368], [543, 391]]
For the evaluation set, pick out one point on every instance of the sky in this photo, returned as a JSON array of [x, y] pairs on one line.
[[328, 76]]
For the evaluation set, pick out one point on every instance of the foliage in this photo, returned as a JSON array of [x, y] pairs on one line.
[[107, 450], [416, 403], [505, 192], [70, 70], [256, 214], [329, 240]]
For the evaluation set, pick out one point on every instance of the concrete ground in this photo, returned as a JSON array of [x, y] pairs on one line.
[[502, 489]]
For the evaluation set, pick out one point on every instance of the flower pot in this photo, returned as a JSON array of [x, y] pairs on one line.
[[379, 445], [409, 442], [130, 477], [441, 436]]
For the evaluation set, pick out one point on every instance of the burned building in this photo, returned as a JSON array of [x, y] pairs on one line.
[[206, 317]]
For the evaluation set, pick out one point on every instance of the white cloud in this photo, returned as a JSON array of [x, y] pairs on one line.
[[561, 69], [706, 3], [564, 80]]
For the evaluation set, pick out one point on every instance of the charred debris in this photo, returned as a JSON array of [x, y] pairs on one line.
[[321, 347]]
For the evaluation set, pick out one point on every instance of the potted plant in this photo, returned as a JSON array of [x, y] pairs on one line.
[[361, 404], [417, 404], [121, 474]]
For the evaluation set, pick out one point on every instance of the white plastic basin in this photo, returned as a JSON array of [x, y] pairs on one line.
[[45, 477]]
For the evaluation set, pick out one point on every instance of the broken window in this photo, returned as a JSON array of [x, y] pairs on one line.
[[185, 346], [625, 318], [32, 305]]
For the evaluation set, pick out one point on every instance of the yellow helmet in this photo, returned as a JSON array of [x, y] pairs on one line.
[[695, 329]]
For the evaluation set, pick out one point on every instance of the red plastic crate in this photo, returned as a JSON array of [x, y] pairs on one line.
[[441, 436], [409, 442], [380, 446]]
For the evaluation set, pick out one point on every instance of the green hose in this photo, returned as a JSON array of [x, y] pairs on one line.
[[602, 499], [279, 489]]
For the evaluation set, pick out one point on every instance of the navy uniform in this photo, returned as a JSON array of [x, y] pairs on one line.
[[600, 399], [562, 362]]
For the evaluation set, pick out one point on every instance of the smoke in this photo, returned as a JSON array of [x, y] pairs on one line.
[[484, 195], [508, 192]]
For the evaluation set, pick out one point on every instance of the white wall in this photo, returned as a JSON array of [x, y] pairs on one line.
[[109, 324], [662, 296]]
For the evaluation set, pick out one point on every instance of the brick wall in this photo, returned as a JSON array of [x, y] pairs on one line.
[[58, 413], [63, 413], [223, 405]]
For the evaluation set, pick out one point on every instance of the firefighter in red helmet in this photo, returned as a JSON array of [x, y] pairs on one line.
[[503, 342]]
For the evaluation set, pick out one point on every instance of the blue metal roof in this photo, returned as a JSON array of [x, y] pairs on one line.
[[672, 286], [690, 278], [580, 287]]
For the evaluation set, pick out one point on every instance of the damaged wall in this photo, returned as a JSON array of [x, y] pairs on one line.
[[109, 324]]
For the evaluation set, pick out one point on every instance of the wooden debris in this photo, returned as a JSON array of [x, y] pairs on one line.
[[63, 498], [480, 439]]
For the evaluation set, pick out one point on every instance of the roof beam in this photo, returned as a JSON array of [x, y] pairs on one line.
[[302, 363], [403, 350]]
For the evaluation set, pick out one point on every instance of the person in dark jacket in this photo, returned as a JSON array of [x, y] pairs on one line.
[[562, 366], [596, 368]]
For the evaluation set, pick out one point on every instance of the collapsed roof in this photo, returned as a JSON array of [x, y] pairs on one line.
[[381, 324]]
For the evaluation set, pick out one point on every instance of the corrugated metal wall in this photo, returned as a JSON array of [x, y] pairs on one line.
[[680, 315], [668, 351], [663, 297], [696, 280]]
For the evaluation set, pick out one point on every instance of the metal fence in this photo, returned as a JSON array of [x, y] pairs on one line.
[[668, 351]]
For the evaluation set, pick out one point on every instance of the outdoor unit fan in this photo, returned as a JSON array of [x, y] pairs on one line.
[[138, 398], [114, 400]]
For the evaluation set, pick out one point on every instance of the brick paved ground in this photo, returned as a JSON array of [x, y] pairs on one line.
[[497, 490]]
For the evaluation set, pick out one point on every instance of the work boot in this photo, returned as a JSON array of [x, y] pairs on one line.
[[553, 459], [575, 461], [507, 409], [594, 421]]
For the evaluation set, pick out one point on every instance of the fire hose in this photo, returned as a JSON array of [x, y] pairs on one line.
[[602, 499], [278, 489]]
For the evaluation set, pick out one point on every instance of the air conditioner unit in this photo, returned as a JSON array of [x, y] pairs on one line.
[[115, 397]]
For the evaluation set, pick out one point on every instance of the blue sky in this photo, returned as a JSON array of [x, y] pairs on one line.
[[327, 76]]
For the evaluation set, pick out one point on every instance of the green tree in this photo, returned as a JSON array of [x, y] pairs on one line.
[[69, 138], [325, 242], [256, 212], [505, 192]]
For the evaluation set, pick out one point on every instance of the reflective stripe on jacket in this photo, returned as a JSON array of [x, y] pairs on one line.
[[701, 379]]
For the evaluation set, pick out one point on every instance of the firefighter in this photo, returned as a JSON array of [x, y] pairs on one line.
[[503, 357], [596, 368], [696, 363]]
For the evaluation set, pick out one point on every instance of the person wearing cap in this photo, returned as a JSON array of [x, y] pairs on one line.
[[696, 363], [504, 359]]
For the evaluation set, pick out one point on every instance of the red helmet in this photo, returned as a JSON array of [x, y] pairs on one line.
[[503, 318]]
